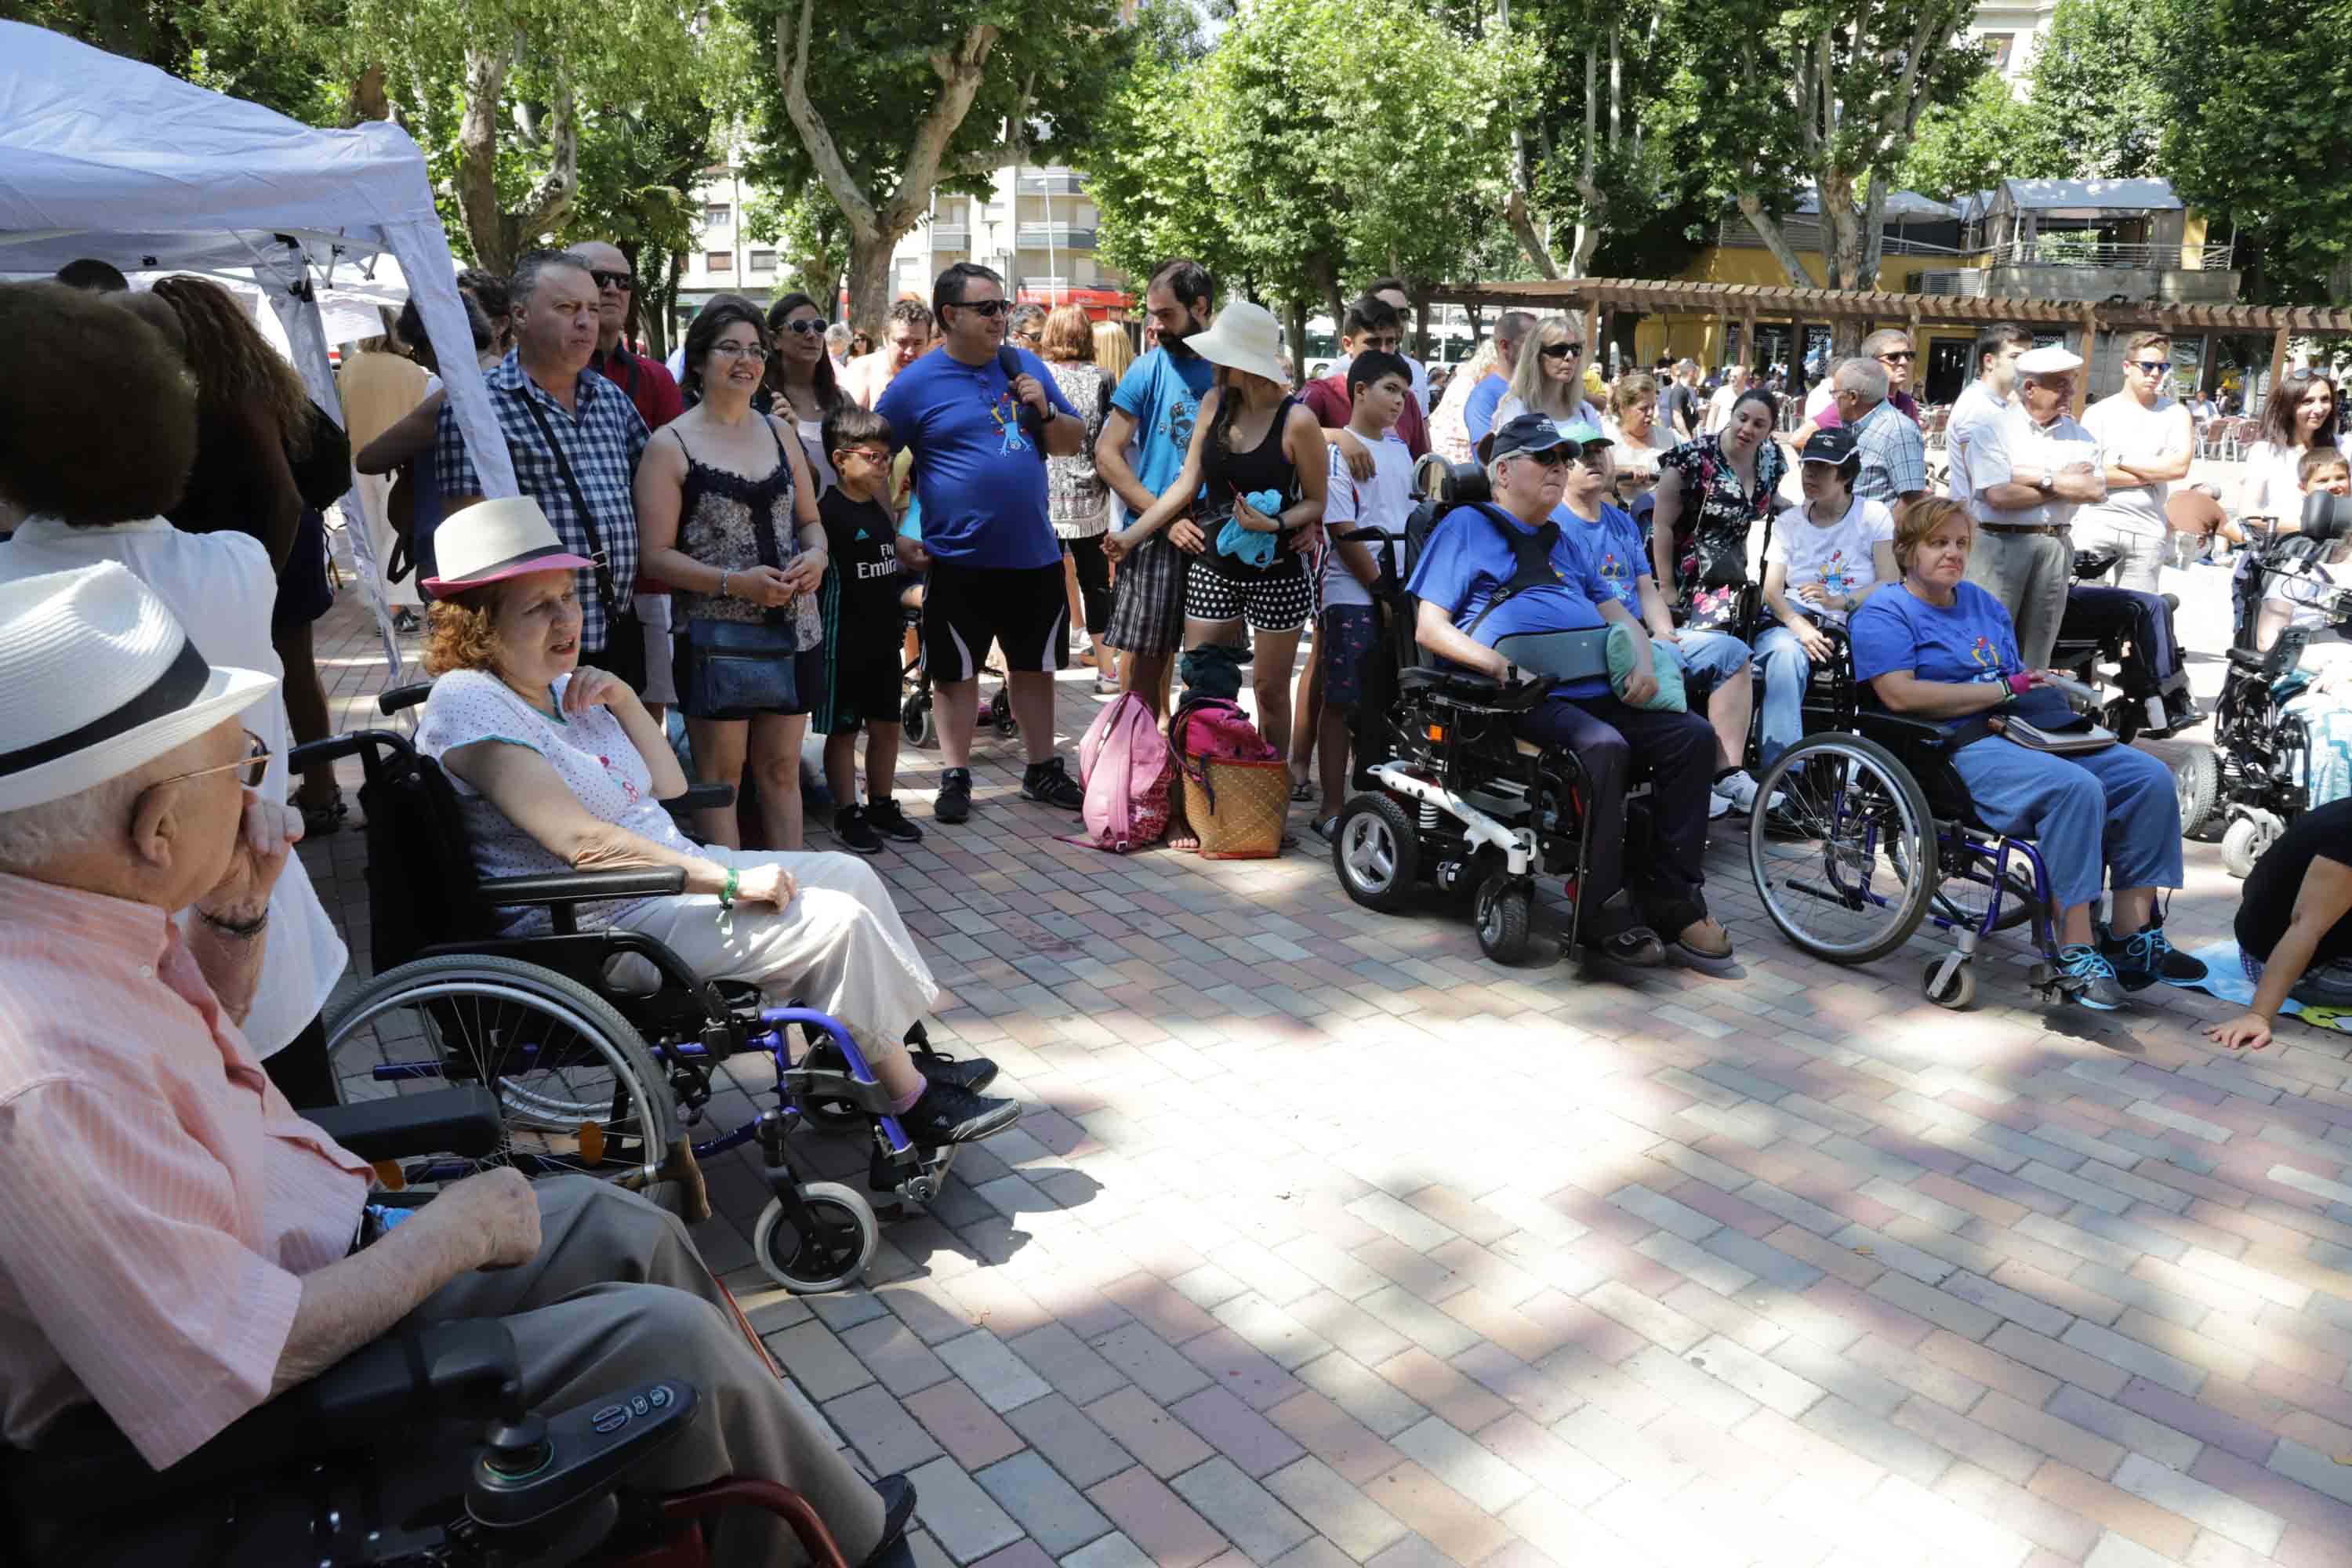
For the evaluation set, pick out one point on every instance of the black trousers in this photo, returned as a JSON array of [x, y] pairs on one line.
[[300, 1069], [1664, 873], [1094, 580]]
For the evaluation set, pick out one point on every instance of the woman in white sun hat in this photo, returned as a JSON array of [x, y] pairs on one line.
[[559, 767], [1250, 437]]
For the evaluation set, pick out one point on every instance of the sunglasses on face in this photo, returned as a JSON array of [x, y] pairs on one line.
[[1560, 351], [623, 281], [992, 308], [253, 764], [2151, 366], [1553, 457], [805, 327], [1898, 356]]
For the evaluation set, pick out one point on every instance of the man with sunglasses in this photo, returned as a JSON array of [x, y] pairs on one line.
[[2148, 441], [647, 381], [1895, 354]]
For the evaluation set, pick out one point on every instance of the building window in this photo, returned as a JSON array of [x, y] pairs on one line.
[[2002, 47], [718, 260], [763, 262], [718, 215]]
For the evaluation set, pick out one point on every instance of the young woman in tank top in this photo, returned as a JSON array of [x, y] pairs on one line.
[[1252, 564]]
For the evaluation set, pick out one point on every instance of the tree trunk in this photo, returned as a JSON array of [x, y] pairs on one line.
[[367, 99], [476, 184], [1768, 230], [1421, 321], [1324, 271], [1295, 322], [1841, 229], [869, 280], [1523, 229]]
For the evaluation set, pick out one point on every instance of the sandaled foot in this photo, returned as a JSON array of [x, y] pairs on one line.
[[1705, 941]]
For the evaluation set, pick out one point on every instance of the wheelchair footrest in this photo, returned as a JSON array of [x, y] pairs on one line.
[[808, 1084]]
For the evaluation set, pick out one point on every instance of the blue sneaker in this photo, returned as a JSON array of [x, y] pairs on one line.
[[2100, 990], [2148, 956]]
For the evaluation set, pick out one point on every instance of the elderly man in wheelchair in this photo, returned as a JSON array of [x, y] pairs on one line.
[[211, 1325], [1495, 577], [1937, 648]]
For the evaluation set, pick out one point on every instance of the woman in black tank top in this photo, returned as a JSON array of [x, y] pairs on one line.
[[1250, 567]]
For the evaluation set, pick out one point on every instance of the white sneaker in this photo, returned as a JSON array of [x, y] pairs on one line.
[[1717, 805], [1737, 788]]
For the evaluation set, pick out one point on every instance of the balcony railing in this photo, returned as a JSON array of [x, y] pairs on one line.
[[951, 237], [1058, 236], [2064, 249], [1053, 183]]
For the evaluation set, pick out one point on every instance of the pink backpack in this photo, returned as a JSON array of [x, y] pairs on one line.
[[1127, 772]]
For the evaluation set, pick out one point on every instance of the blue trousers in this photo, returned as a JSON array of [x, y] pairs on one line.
[[1786, 670], [2115, 812]]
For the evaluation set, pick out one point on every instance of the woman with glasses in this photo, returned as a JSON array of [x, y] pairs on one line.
[[1548, 378], [218, 585], [801, 380], [727, 514]]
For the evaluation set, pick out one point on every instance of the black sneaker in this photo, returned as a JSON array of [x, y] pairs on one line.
[[849, 825], [954, 802], [947, 1114], [2148, 956], [890, 822], [972, 1074], [1050, 783], [897, 1495], [2100, 990]]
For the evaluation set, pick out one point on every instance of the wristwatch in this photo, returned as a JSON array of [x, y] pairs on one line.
[[2047, 482]]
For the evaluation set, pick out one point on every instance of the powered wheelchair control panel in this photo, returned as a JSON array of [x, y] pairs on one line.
[[530, 1468]]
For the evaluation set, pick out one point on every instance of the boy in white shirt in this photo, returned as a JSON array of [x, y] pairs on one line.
[[1826, 558], [1347, 631]]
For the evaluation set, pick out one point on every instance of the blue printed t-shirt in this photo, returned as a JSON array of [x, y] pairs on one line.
[[1465, 562], [1973, 640], [978, 474], [1612, 550], [1161, 393], [1478, 414]]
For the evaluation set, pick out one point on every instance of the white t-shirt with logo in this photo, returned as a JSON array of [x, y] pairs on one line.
[[1839, 557], [1383, 502]]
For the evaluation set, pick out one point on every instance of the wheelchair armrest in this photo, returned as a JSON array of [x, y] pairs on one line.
[[2247, 661], [700, 797], [460, 1120], [401, 697], [579, 887], [318, 754]]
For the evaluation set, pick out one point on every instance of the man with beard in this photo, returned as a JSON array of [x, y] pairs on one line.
[[1154, 407]]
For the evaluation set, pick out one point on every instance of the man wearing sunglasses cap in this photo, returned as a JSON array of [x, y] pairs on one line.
[[2148, 440]]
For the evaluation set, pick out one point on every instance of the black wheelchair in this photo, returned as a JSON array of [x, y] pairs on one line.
[[417, 1451], [1448, 794], [2104, 641], [599, 1043], [2266, 751]]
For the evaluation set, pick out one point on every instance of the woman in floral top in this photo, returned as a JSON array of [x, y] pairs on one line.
[[1711, 492]]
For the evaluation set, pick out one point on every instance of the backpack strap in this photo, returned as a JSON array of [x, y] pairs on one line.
[[1530, 561]]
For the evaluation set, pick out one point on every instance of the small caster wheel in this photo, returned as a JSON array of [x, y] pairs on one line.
[[1954, 986], [831, 1251], [2243, 845], [914, 721], [1376, 849], [1506, 904], [1000, 714]]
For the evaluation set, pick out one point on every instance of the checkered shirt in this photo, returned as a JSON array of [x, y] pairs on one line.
[[602, 442], [1893, 456]]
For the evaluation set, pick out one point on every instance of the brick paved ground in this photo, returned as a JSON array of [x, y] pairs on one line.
[[1324, 1240]]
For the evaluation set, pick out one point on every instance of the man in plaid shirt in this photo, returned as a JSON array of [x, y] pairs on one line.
[[1894, 454], [597, 429]]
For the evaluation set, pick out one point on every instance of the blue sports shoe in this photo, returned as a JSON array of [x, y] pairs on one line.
[[2148, 956], [2100, 989]]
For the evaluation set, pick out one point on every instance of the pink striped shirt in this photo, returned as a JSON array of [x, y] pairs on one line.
[[159, 1199]]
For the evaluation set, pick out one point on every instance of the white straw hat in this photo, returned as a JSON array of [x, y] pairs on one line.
[[2049, 361], [1243, 337], [97, 679], [493, 540]]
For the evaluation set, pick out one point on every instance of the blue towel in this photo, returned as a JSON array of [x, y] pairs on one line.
[[2225, 976], [1247, 546]]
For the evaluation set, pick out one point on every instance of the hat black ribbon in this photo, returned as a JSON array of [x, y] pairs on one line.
[[180, 684]]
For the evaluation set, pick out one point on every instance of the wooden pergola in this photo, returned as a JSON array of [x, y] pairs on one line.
[[1748, 303]]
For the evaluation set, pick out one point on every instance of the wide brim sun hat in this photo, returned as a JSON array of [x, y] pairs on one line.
[[97, 679], [491, 541], [1243, 337]]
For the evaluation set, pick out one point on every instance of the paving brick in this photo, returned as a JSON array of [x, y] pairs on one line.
[[965, 1519], [1470, 1468], [1162, 1374], [1113, 1551], [964, 1424], [1979, 1445], [1331, 1504], [1164, 1444], [1406, 1313], [1047, 1506], [2257, 1530], [1159, 1524], [819, 1361], [1243, 1436], [1906, 1454], [2040, 1316], [1066, 1362], [895, 1355], [1070, 1439], [1384, 1408], [1449, 1521], [2177, 1450], [1432, 1383], [2158, 1529], [1252, 1518], [879, 1428], [2067, 1362], [2136, 1357]]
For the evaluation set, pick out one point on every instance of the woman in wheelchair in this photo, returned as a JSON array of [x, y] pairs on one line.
[[560, 768], [1940, 648], [1463, 583]]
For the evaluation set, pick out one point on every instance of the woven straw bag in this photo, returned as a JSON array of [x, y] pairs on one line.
[[1252, 802]]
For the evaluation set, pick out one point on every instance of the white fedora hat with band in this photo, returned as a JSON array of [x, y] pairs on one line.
[[1243, 337], [494, 540], [97, 680]]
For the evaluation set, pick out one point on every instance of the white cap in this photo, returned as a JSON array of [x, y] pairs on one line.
[[2052, 361]]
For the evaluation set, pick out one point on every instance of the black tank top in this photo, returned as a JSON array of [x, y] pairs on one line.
[[1231, 475]]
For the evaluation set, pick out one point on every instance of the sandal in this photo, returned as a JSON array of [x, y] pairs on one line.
[[1302, 793], [318, 821], [1326, 828]]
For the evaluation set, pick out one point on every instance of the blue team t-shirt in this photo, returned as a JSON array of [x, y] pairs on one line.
[[1464, 563], [979, 475], [1612, 550], [1478, 414], [1161, 393], [1972, 641]]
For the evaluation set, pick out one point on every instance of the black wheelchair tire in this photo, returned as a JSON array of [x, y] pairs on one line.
[[1918, 852], [1366, 824], [1502, 915], [2197, 775], [831, 1268], [1956, 996], [914, 721], [557, 998]]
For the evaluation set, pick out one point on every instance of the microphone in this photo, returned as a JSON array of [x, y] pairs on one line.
[[1032, 427]]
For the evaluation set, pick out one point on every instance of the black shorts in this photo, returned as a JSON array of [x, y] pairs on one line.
[[1025, 609], [863, 686]]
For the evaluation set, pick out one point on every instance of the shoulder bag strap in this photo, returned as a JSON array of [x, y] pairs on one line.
[[604, 588]]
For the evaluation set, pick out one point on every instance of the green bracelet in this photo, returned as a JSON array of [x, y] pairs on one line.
[[727, 902]]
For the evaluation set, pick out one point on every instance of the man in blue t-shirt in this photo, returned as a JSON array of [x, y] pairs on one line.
[[981, 419], [1153, 409], [1464, 581]]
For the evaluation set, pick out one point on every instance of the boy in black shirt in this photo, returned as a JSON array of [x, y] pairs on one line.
[[859, 603]]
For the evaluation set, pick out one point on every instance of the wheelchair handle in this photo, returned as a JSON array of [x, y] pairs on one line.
[[401, 697]]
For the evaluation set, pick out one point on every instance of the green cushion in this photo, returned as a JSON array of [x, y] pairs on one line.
[[1665, 662]]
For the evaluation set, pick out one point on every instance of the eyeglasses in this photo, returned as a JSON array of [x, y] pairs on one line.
[[256, 761], [755, 352], [2152, 366], [992, 308], [874, 455], [804, 326], [1898, 356], [1560, 351], [623, 281]]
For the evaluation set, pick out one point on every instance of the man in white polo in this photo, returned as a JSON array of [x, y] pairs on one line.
[[2028, 473]]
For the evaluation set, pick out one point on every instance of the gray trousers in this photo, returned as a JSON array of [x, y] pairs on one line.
[[2029, 573], [619, 1296], [2139, 557]]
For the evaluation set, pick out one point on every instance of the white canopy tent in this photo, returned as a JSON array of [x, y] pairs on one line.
[[104, 157]]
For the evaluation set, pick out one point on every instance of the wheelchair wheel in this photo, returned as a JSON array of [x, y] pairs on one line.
[[1000, 714], [1376, 849], [1504, 907], [1962, 900], [1848, 865], [577, 1089], [2243, 845], [914, 721], [831, 1251], [1958, 992], [2197, 775]]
